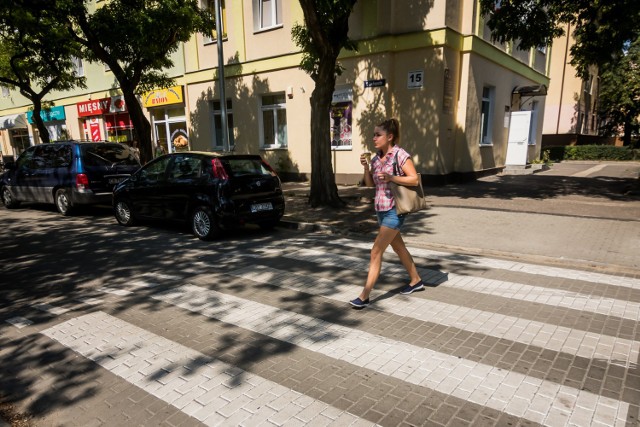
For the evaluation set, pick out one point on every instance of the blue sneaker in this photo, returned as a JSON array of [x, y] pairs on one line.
[[359, 303], [409, 289]]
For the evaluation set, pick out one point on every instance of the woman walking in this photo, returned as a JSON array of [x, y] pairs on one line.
[[385, 138]]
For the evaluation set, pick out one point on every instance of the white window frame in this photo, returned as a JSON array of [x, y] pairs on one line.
[[486, 138], [210, 38], [533, 127], [5, 92], [274, 108], [276, 13], [217, 145], [78, 66]]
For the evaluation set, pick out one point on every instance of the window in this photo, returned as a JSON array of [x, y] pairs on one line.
[[5, 91], [267, 14], [533, 128], [217, 123], [486, 115], [78, 67], [185, 168], [273, 121], [211, 5]]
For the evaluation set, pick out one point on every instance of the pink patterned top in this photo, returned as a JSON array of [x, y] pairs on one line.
[[384, 198]]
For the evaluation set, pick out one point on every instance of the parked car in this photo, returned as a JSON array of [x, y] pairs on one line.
[[67, 174], [210, 192]]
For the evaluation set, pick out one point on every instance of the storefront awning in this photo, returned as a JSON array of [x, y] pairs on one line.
[[13, 121]]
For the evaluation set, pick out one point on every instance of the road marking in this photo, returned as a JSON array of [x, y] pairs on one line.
[[19, 322], [490, 263], [548, 296], [617, 351], [51, 309], [479, 383], [589, 171], [203, 387]]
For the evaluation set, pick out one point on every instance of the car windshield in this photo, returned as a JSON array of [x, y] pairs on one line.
[[240, 167], [109, 154]]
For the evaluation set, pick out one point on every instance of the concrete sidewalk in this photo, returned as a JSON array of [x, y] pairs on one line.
[[577, 214]]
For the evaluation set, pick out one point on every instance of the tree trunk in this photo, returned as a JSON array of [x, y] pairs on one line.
[[626, 140], [141, 125], [37, 118], [323, 183]]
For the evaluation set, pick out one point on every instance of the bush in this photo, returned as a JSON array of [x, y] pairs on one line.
[[591, 152]]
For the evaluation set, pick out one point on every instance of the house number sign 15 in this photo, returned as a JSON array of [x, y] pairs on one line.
[[415, 79]]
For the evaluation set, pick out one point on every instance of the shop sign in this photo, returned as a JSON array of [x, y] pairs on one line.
[[117, 105], [98, 107], [167, 96], [95, 107], [49, 115]]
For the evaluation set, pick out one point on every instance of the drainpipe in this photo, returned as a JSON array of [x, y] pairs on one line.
[[223, 98]]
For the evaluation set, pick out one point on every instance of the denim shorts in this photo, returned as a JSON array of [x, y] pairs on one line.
[[390, 219]]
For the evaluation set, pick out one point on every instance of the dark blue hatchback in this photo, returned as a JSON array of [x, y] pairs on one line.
[[67, 174]]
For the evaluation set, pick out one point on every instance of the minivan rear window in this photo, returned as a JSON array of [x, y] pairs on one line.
[[108, 154], [239, 167]]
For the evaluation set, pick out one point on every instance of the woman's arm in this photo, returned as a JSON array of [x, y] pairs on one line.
[[368, 178], [410, 177]]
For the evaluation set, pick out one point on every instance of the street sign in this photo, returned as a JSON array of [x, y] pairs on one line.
[[375, 83]]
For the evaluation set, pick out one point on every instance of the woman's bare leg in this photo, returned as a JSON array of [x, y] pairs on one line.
[[405, 258], [383, 240]]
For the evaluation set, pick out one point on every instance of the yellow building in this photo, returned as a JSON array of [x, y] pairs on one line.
[[572, 102], [431, 64]]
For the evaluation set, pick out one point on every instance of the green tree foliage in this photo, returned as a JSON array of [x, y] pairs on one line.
[[620, 92], [135, 39], [36, 54], [600, 27], [323, 36]]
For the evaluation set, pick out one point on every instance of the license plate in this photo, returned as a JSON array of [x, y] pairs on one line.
[[116, 180], [259, 207]]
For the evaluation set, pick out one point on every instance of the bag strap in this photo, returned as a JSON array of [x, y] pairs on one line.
[[396, 169]]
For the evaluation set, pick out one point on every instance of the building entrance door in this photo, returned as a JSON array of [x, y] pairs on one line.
[[518, 142]]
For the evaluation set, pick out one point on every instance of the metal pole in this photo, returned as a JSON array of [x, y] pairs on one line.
[[223, 98]]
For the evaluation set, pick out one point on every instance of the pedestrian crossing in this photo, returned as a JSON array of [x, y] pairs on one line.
[[537, 369]]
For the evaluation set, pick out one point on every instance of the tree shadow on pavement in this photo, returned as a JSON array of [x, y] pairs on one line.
[[539, 187]]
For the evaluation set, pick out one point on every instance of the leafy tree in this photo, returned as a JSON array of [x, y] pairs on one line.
[[135, 39], [35, 54], [620, 92], [600, 27], [321, 39]]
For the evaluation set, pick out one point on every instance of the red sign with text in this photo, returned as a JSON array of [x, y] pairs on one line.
[[97, 107]]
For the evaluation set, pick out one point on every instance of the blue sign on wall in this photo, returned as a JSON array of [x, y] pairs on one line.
[[50, 115]]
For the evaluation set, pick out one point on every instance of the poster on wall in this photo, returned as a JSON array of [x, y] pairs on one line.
[[341, 124], [341, 119]]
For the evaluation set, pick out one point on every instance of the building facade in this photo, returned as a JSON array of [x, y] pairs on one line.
[[572, 102], [431, 64]]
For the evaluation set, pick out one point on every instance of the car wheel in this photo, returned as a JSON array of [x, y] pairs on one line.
[[123, 213], [203, 223], [8, 200], [63, 203]]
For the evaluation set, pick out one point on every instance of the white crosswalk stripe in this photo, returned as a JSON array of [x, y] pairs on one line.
[[480, 262], [618, 351], [209, 390], [219, 393], [552, 297], [496, 388]]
